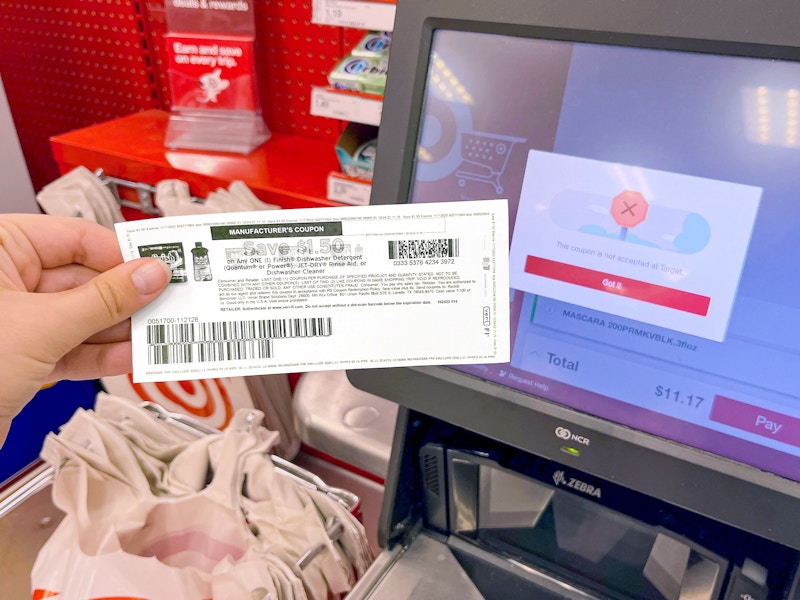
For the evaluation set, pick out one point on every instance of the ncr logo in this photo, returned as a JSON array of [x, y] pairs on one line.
[[560, 479], [565, 434]]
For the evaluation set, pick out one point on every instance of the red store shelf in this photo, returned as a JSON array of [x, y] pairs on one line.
[[287, 170]]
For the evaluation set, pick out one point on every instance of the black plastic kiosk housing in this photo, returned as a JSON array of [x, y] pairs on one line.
[[654, 390]]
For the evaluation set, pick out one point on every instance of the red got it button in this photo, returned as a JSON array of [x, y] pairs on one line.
[[621, 286]]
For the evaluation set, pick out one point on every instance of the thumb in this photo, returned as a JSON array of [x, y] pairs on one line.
[[110, 298]]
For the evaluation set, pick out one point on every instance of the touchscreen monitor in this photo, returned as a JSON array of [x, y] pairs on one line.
[[653, 228]]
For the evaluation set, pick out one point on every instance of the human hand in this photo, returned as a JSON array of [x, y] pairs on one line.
[[65, 300]]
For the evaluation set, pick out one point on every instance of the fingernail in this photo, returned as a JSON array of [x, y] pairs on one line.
[[150, 277]]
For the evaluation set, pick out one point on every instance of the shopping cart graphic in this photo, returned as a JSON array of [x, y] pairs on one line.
[[485, 156]]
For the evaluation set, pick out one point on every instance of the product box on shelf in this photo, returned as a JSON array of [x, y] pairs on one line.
[[356, 150], [360, 74], [373, 44]]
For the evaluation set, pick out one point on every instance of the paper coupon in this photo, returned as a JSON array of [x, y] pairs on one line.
[[323, 288]]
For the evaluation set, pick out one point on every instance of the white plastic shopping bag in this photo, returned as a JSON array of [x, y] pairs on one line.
[[121, 539], [157, 512], [213, 402]]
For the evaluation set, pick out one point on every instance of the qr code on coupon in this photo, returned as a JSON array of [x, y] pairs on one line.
[[440, 248]]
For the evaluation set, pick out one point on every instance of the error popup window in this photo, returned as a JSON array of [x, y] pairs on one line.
[[659, 247]]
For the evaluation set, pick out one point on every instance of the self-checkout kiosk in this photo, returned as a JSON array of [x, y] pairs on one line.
[[644, 440]]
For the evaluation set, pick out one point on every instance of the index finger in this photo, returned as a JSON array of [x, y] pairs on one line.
[[61, 241]]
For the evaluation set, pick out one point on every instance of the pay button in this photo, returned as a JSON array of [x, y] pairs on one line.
[[756, 420]]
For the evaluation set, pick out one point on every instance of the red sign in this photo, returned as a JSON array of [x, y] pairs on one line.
[[212, 72], [629, 208]]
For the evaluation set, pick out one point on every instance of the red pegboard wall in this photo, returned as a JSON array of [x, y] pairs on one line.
[[68, 64], [295, 55]]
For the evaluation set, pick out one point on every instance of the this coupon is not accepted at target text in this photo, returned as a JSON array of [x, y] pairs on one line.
[[323, 288]]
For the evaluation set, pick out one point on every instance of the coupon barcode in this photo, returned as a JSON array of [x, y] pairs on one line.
[[441, 248], [171, 343], [169, 354]]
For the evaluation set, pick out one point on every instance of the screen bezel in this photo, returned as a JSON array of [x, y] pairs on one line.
[[731, 492]]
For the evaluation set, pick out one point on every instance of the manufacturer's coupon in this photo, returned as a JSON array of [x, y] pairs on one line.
[[323, 288]]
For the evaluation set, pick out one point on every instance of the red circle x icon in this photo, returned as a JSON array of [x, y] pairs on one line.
[[629, 208]]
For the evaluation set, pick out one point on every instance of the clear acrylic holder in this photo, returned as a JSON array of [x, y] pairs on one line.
[[236, 131]]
